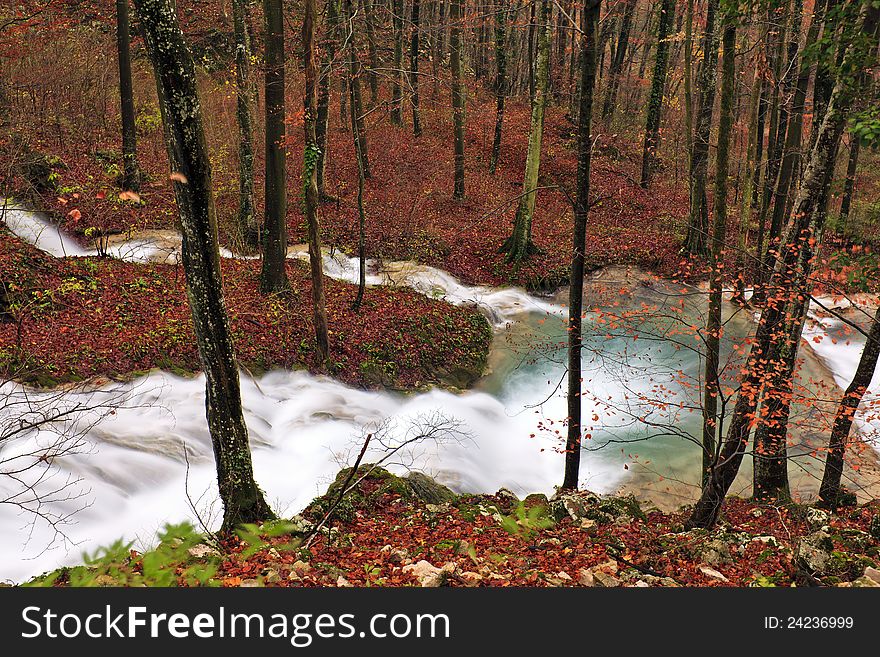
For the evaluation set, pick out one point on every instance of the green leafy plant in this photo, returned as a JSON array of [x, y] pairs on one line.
[[527, 523]]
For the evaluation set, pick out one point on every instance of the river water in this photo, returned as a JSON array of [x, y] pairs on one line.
[[141, 455]]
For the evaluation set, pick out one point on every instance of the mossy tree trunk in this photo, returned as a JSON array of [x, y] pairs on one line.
[[658, 85], [849, 184], [696, 241], [273, 277], [188, 155], [248, 229], [310, 183], [519, 245], [458, 97], [711, 386], [130, 170], [500, 80], [589, 57]]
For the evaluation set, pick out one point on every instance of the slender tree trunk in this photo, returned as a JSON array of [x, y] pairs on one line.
[[397, 74], [458, 101], [311, 154], [372, 50], [799, 248], [688, 80], [831, 492], [696, 241], [249, 231], [850, 183], [354, 71], [188, 155], [500, 80], [415, 44], [711, 420], [519, 245], [130, 170], [614, 71], [658, 84], [273, 277], [589, 49], [356, 106], [331, 33]]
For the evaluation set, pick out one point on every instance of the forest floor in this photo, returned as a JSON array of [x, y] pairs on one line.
[[69, 319], [386, 533]]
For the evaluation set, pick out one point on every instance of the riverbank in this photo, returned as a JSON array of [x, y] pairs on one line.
[[410, 531], [69, 319]]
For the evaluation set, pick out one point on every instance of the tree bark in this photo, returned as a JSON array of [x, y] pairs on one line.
[[519, 245], [658, 84], [415, 44], [248, 230], [500, 80], [188, 154], [849, 184], [310, 183], [130, 170], [458, 100], [331, 33], [711, 420], [273, 277], [589, 49], [616, 67], [696, 242], [396, 84]]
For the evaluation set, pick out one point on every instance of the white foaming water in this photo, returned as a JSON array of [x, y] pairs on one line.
[[164, 246], [133, 474], [34, 228], [840, 350]]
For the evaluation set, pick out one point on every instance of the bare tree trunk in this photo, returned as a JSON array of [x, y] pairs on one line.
[[696, 242], [311, 154], [852, 164], [614, 71], [325, 76], [458, 100], [658, 84], [589, 48], [188, 154], [273, 277], [711, 420], [355, 70], [248, 230], [415, 44], [130, 170], [500, 80], [396, 84], [372, 50]]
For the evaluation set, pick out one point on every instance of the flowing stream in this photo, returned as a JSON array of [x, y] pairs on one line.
[[134, 456]]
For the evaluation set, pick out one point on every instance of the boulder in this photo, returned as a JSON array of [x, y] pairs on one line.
[[202, 551], [711, 573], [816, 518], [507, 501], [604, 580], [429, 575], [715, 552], [814, 552]]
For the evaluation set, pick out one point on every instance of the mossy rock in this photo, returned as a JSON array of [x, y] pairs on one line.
[[376, 483], [536, 499]]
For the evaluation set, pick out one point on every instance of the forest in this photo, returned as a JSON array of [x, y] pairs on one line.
[[468, 293]]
